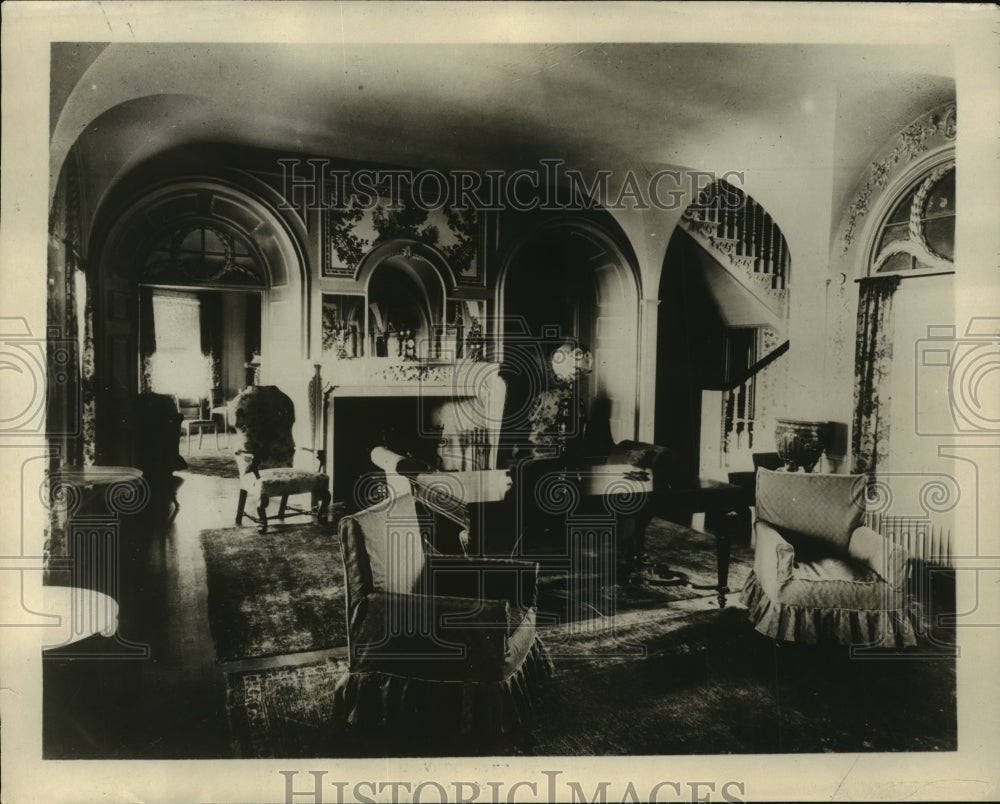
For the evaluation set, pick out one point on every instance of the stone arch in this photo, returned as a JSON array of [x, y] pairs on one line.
[[606, 283], [278, 243]]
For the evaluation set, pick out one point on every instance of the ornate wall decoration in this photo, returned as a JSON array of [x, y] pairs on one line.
[[406, 220], [911, 142], [915, 245], [342, 248], [351, 230], [464, 255], [415, 373]]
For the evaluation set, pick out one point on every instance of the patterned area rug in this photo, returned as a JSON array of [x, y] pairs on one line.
[[214, 464], [704, 682], [283, 711], [679, 565], [681, 680], [287, 710], [276, 593], [668, 672]]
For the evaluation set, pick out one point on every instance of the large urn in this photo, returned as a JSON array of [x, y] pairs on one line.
[[800, 442]]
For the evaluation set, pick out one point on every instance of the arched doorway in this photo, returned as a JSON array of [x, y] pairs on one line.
[[570, 280], [195, 239], [721, 321]]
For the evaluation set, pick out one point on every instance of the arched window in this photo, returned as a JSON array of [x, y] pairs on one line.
[[199, 311], [915, 237], [202, 253], [918, 235]]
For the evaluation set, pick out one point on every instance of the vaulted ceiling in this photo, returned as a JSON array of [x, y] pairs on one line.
[[754, 108]]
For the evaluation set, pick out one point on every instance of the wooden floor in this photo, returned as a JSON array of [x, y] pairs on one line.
[[155, 691], [170, 704]]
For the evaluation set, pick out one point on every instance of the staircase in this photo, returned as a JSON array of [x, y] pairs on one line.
[[746, 266], [742, 237]]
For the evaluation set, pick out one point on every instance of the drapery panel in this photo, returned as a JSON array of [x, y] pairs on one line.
[[872, 363], [147, 338], [210, 320], [70, 410]]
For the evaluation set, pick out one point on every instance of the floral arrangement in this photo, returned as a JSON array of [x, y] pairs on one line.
[[558, 415]]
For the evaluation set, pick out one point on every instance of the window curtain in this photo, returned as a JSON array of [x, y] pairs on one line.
[[70, 348], [147, 338], [88, 371], [872, 362], [210, 318]]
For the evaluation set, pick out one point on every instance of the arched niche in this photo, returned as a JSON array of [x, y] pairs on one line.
[[406, 284], [170, 212], [569, 278]]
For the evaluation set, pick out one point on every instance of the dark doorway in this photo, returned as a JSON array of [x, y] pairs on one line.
[[681, 352]]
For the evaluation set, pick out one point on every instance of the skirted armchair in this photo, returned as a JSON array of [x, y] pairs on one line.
[[819, 575], [440, 645]]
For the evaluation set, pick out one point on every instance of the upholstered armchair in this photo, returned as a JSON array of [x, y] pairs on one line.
[[267, 456], [439, 644], [819, 575]]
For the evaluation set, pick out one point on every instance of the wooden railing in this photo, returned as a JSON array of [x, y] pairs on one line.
[[738, 417], [735, 226]]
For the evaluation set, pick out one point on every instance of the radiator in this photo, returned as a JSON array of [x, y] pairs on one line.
[[925, 539]]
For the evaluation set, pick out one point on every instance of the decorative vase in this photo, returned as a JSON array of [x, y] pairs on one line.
[[800, 442]]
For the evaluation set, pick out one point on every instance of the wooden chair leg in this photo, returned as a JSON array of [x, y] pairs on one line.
[[262, 512], [281, 506], [323, 495], [240, 506], [201, 435], [189, 440], [175, 507], [216, 428]]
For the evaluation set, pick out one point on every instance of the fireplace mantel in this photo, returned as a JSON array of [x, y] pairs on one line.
[[387, 377], [470, 395]]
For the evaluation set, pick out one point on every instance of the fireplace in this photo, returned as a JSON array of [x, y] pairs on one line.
[[427, 410]]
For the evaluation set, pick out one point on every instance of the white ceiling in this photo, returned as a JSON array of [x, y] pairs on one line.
[[756, 108]]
